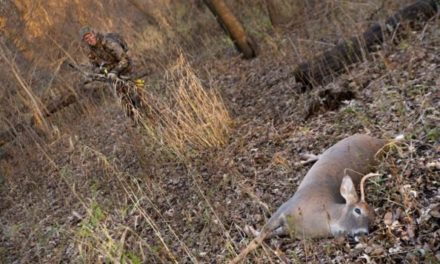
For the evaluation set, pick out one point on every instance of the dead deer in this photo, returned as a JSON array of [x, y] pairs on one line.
[[326, 203]]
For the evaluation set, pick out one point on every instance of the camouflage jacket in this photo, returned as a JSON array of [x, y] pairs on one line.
[[109, 54]]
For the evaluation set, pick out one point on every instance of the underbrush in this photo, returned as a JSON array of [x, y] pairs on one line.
[[103, 233], [190, 118], [217, 151]]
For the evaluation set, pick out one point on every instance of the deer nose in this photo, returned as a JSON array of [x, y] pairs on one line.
[[358, 234]]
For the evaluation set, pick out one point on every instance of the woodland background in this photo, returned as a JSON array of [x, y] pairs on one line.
[[83, 185]]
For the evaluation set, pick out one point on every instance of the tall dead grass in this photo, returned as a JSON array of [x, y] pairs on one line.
[[192, 118], [26, 95], [103, 236]]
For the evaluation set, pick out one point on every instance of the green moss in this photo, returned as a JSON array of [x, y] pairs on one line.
[[130, 257], [433, 134]]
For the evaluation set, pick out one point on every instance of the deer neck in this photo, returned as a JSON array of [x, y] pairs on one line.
[[319, 218], [336, 212]]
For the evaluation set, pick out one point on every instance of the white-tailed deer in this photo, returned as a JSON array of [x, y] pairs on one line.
[[326, 203]]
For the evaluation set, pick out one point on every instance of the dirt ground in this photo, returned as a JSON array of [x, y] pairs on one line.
[[100, 162]]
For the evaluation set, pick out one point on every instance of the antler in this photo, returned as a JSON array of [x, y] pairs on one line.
[[362, 184]]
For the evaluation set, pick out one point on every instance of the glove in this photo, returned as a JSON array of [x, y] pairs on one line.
[[112, 76]]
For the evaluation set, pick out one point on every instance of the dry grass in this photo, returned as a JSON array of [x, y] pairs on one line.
[[192, 118], [102, 234], [120, 217], [26, 96]]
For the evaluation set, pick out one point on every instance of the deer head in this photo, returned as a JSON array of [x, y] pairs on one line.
[[355, 215]]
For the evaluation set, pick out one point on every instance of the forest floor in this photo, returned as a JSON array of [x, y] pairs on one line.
[[100, 186]]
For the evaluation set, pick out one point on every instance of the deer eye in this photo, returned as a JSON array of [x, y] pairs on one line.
[[357, 211]]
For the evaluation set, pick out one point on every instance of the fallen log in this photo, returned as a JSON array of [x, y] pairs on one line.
[[50, 109], [334, 61]]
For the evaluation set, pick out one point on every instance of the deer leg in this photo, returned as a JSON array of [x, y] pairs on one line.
[[308, 158]]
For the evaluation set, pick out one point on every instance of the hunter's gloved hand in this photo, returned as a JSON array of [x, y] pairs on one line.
[[112, 76]]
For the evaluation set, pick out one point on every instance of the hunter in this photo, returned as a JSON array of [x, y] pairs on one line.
[[107, 54]]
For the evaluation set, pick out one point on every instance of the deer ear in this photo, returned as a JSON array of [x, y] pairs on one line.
[[348, 191]]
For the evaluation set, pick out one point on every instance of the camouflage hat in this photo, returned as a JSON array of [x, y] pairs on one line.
[[84, 31]]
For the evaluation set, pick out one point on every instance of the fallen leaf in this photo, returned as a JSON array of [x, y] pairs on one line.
[[435, 212], [388, 218], [433, 165], [377, 251], [367, 258]]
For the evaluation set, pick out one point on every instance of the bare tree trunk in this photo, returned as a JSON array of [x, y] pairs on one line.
[[233, 27], [276, 14]]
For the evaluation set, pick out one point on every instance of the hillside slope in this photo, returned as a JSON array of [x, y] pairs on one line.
[[102, 191]]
